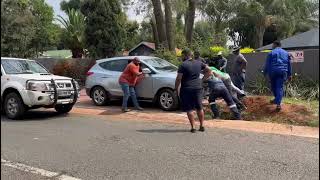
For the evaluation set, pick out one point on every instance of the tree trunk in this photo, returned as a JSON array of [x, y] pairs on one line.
[[190, 16], [154, 31], [170, 30], [259, 32], [158, 14], [77, 53], [218, 32], [179, 23]]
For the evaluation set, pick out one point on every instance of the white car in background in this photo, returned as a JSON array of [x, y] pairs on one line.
[[26, 84]]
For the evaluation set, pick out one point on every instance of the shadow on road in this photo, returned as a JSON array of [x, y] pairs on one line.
[[163, 130], [36, 116]]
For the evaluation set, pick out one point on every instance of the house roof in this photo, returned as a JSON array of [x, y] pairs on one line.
[[307, 39], [148, 44]]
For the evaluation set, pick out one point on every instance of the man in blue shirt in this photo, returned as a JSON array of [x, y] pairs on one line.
[[278, 68]]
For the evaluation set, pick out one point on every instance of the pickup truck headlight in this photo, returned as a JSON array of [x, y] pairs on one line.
[[39, 86]]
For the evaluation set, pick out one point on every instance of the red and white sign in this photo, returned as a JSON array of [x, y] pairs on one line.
[[296, 56]]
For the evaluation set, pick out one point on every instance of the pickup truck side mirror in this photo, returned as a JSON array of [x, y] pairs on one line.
[[146, 71]]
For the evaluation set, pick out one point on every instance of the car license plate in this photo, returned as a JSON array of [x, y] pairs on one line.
[[64, 93]]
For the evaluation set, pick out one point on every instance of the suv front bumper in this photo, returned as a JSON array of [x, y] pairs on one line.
[[35, 98], [53, 97]]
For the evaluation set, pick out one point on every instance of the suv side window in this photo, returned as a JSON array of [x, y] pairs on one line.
[[114, 65]]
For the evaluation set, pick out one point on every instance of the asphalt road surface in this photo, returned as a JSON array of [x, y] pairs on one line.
[[94, 148]]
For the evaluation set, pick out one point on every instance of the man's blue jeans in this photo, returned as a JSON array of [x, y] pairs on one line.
[[128, 91], [277, 79]]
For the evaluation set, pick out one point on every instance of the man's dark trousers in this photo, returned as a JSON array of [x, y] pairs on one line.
[[239, 80], [222, 91]]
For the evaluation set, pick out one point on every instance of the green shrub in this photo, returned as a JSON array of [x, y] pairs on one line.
[[216, 49], [267, 50], [246, 50], [259, 86], [167, 55], [300, 87], [303, 88]]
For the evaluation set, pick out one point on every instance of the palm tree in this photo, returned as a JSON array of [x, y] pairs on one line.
[[73, 36], [287, 14]]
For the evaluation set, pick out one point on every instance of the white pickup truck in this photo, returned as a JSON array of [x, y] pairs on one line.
[[26, 84]]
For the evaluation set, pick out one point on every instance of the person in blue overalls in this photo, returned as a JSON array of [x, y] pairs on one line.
[[278, 68]]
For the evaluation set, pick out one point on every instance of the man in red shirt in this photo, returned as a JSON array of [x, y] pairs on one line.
[[128, 81]]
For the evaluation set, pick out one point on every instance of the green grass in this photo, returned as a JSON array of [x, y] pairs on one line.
[[58, 53], [312, 105]]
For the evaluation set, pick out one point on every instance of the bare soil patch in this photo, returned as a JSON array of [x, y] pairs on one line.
[[260, 109]]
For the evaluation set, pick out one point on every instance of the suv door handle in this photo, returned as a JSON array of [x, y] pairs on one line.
[[106, 77]]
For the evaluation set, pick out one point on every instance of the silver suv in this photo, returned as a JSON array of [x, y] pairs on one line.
[[157, 86]]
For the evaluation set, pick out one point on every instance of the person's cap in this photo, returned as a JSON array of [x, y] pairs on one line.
[[219, 53], [236, 49], [186, 51]]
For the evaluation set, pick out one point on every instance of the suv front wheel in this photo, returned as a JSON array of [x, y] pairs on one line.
[[63, 108], [14, 106], [168, 100]]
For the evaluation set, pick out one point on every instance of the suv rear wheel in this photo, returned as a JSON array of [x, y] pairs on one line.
[[99, 96], [14, 106], [168, 100]]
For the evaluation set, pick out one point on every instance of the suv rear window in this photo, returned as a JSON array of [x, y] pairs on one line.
[[115, 65]]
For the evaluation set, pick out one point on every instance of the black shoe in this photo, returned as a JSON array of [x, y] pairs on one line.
[[125, 110], [139, 108], [272, 101], [201, 129], [193, 130], [278, 108], [241, 96]]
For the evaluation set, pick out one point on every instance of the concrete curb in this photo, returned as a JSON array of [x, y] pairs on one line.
[[180, 118]]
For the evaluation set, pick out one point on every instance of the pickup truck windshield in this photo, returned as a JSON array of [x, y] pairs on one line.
[[12, 66], [160, 64]]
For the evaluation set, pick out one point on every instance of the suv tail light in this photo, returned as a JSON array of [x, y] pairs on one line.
[[89, 73]]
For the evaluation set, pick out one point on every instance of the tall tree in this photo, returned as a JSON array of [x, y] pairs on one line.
[[154, 31], [160, 22], [66, 5], [170, 29], [132, 32], [189, 20], [73, 36], [26, 27], [253, 17], [43, 14], [105, 24], [218, 13]]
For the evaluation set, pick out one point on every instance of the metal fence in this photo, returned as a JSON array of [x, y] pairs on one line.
[[309, 68]]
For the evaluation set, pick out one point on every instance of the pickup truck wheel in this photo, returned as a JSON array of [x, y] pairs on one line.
[[63, 108], [99, 96], [13, 106], [168, 100]]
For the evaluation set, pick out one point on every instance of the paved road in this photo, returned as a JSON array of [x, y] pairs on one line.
[[94, 148]]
